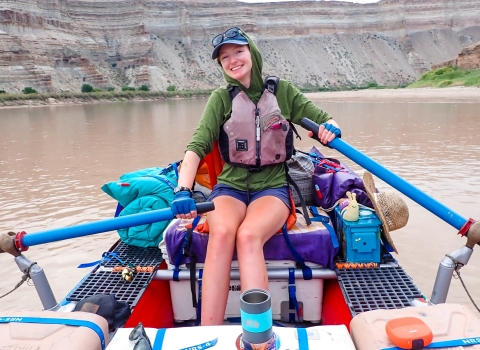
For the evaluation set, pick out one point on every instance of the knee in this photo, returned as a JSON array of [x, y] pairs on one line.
[[247, 240], [221, 237]]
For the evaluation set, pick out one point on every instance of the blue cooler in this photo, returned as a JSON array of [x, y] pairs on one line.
[[360, 239]]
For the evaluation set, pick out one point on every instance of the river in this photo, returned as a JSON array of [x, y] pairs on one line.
[[54, 159]]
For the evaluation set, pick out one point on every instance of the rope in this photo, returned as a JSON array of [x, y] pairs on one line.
[[25, 276], [457, 270], [331, 208]]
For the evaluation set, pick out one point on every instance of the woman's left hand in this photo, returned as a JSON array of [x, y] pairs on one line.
[[327, 132]]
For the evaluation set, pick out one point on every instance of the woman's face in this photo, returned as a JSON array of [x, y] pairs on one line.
[[236, 61]]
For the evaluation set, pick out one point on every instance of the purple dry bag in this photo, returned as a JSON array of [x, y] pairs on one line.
[[332, 179]]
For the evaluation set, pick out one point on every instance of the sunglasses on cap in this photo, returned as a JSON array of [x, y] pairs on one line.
[[228, 34], [139, 336]]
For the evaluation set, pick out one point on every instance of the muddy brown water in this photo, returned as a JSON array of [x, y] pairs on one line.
[[54, 159]]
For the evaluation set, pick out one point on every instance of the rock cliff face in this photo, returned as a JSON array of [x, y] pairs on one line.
[[55, 45], [469, 58]]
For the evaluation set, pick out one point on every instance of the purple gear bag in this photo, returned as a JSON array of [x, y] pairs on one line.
[[334, 179]]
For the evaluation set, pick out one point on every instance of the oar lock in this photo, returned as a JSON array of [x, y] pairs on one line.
[[473, 234], [7, 244]]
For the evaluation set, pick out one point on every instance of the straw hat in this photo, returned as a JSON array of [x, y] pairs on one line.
[[389, 207]]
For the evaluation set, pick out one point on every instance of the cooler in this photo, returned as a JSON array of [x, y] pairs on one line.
[[16, 333], [309, 294], [360, 239], [446, 321], [312, 242]]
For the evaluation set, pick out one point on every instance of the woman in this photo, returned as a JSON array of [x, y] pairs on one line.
[[252, 197]]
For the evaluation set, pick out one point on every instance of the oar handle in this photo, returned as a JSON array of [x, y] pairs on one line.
[[311, 126], [205, 207], [393, 180], [23, 241]]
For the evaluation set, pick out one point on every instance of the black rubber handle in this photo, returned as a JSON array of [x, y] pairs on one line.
[[311, 126], [205, 207]]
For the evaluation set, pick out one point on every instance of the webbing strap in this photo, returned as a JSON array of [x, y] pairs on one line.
[[184, 249], [169, 168], [299, 193], [66, 321], [175, 167], [325, 220], [446, 343], [199, 303], [163, 179], [306, 271], [302, 339], [106, 256], [159, 337], [178, 260], [292, 297]]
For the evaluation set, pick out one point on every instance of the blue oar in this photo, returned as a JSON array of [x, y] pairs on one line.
[[23, 241], [434, 206]]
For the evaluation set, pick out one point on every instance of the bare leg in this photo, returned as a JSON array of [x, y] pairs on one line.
[[265, 216], [223, 223]]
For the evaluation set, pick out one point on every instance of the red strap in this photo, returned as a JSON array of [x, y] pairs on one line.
[[464, 229]]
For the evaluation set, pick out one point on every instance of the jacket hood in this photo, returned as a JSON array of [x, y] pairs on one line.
[[254, 92]]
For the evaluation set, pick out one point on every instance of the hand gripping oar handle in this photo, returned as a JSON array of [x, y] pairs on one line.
[[394, 180], [23, 241]]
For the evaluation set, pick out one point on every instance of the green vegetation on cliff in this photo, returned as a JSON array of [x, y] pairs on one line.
[[98, 96], [448, 76]]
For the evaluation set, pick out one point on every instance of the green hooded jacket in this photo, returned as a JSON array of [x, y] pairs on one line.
[[293, 104]]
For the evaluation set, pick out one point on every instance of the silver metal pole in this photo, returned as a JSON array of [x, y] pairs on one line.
[[281, 274], [40, 281], [445, 273]]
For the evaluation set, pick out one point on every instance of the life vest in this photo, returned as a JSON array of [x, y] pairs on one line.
[[258, 135]]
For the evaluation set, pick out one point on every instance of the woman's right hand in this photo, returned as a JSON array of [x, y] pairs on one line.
[[183, 206]]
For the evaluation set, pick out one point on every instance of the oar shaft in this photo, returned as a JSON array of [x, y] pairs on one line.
[[59, 234], [429, 203], [409, 190]]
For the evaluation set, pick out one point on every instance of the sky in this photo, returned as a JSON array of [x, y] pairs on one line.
[[356, 1]]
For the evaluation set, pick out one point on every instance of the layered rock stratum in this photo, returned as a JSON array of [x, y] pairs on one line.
[[55, 45]]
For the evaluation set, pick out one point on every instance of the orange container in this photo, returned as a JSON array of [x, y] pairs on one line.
[[446, 321], [38, 336]]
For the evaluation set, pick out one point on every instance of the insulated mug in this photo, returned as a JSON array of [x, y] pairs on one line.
[[256, 316]]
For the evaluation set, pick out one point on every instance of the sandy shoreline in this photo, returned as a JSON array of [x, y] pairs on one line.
[[458, 94]]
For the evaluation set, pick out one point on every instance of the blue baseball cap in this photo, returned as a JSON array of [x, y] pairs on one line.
[[239, 39]]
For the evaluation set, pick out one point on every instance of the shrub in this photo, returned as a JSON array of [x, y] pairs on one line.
[[114, 65], [3, 92], [87, 88], [110, 88], [97, 90], [128, 88], [445, 83], [372, 85], [29, 90], [444, 70], [171, 88], [143, 88], [473, 80]]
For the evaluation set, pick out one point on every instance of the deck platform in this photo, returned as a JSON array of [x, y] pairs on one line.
[[104, 280], [387, 286]]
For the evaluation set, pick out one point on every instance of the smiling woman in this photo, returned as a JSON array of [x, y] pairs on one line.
[[252, 122]]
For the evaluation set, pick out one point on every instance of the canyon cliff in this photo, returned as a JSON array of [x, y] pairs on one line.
[[58, 45]]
